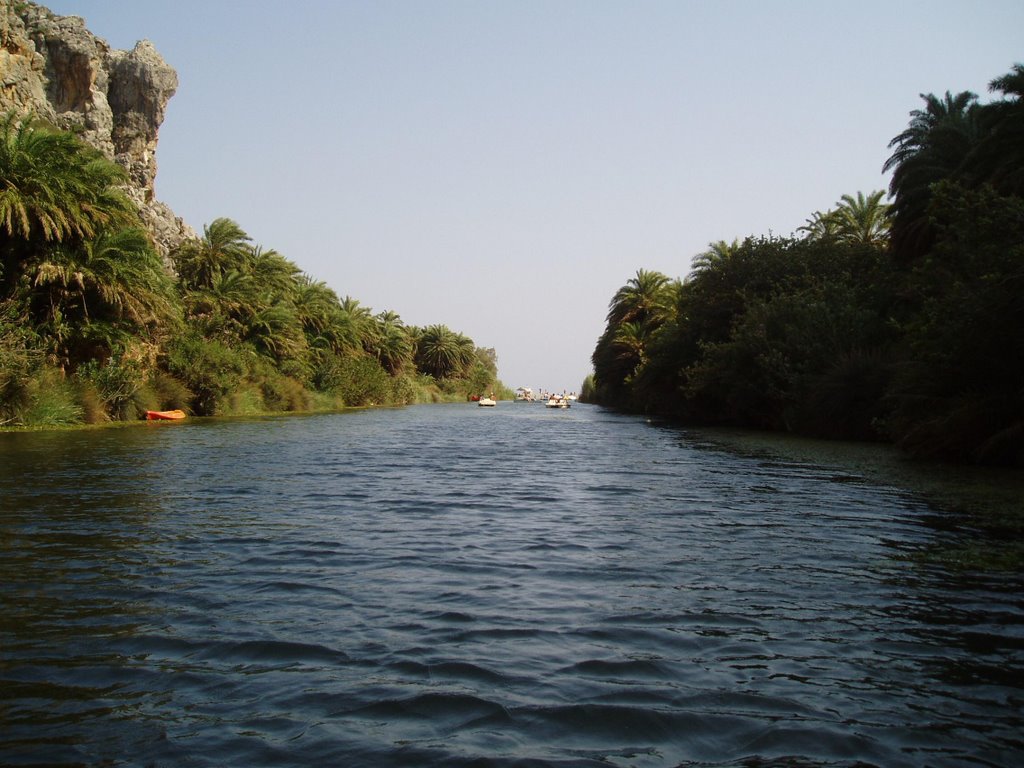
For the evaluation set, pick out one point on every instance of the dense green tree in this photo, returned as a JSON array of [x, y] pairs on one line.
[[854, 220], [932, 148], [635, 314], [54, 189], [115, 281], [275, 275], [275, 330], [360, 322], [821, 226], [755, 326], [21, 357], [209, 368], [327, 325], [224, 247], [443, 353], [393, 346], [316, 304], [959, 392], [647, 297], [998, 158], [862, 219], [715, 256], [903, 321]]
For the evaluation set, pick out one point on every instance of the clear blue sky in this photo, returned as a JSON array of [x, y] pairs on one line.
[[504, 167]]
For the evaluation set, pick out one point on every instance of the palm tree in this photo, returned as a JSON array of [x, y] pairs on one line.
[[999, 156], [648, 296], [932, 148], [862, 220], [717, 254], [223, 247], [115, 278], [630, 342], [360, 321], [53, 189], [821, 226], [232, 292], [275, 330], [442, 352], [315, 303], [637, 310], [394, 347], [273, 272], [54, 186]]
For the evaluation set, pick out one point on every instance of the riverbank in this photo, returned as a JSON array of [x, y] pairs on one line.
[[57, 404]]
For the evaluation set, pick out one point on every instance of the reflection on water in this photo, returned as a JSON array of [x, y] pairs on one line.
[[448, 585]]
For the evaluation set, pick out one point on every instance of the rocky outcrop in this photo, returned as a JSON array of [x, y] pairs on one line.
[[53, 66]]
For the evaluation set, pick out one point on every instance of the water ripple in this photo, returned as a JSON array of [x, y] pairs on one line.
[[437, 586]]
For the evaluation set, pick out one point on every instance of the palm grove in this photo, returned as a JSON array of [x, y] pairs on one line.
[[94, 326], [900, 321]]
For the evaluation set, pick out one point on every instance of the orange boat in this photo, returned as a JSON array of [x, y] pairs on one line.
[[164, 415]]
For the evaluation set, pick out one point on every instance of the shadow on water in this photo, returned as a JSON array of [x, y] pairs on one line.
[[978, 512], [76, 513]]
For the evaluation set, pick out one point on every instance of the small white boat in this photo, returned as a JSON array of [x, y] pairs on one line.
[[486, 401], [557, 401]]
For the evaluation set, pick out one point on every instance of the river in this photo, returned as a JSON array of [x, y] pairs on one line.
[[450, 585]]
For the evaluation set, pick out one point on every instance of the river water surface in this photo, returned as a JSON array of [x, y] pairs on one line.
[[453, 586]]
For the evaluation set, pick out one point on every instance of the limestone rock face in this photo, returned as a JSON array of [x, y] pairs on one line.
[[115, 100]]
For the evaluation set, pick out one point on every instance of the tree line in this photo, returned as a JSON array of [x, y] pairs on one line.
[[95, 326], [899, 321]]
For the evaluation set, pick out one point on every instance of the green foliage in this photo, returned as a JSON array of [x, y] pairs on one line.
[[116, 384], [847, 398], [281, 392], [93, 297], [443, 353], [479, 379], [223, 248], [209, 369], [933, 147], [54, 187], [751, 336], [588, 390], [361, 381], [862, 220], [960, 389], [51, 402], [163, 392], [404, 391], [955, 138], [636, 314], [849, 332], [93, 327], [20, 360]]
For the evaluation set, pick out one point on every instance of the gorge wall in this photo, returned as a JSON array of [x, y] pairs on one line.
[[115, 100]]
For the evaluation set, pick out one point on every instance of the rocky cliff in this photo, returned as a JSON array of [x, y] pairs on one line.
[[53, 66]]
